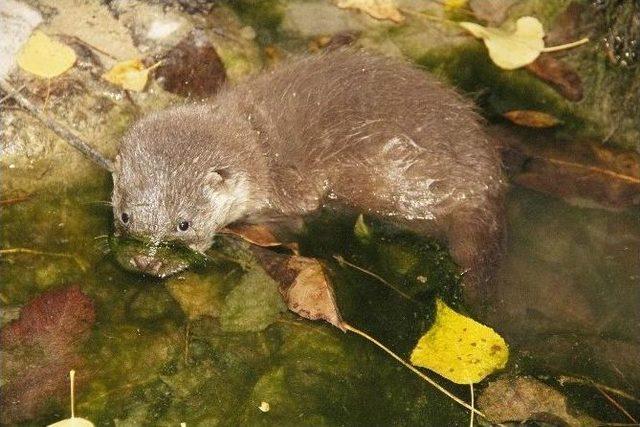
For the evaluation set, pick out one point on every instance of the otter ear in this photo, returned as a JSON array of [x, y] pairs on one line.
[[216, 177]]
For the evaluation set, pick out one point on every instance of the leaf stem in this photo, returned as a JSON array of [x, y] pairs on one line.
[[341, 260], [412, 369], [566, 45]]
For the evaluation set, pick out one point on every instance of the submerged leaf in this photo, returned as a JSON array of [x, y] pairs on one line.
[[362, 231], [559, 75], [526, 399], [459, 348], [378, 9], [130, 75], [40, 348], [45, 57], [511, 49], [532, 119], [252, 305]]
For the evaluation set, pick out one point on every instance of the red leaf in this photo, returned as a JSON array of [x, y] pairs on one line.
[[40, 347]]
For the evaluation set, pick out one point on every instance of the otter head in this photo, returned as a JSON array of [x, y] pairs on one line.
[[176, 180]]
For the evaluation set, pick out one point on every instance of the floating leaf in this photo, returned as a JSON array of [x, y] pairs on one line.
[[130, 75], [532, 119], [511, 50], [378, 9], [45, 57], [459, 348]]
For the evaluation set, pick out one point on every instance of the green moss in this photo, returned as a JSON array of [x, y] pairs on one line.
[[265, 16], [469, 68]]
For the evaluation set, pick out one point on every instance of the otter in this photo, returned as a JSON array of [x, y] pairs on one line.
[[375, 134]]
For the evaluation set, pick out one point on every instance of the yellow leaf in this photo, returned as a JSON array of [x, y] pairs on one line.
[[511, 50], [72, 422], [459, 348], [454, 4], [45, 57], [130, 75], [532, 119], [378, 9]]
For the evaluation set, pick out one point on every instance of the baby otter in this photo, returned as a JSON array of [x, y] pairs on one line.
[[372, 133]]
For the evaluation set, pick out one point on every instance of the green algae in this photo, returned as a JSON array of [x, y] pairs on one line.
[[265, 16], [469, 68]]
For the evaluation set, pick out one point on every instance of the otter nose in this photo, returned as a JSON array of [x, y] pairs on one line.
[[146, 263]]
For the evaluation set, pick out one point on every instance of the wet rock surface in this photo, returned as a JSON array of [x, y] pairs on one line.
[[162, 352]]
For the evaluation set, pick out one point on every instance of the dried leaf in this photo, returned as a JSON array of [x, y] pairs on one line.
[[304, 286], [511, 49], [560, 75], [40, 348], [256, 234], [45, 57], [378, 9], [459, 348], [129, 75], [532, 119], [574, 171]]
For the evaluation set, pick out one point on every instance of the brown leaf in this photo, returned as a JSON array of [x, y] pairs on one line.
[[571, 170], [40, 348], [522, 399], [256, 234], [559, 75], [304, 286], [259, 235], [192, 68], [532, 119]]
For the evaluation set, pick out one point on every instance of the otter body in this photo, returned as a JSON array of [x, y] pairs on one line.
[[372, 133]]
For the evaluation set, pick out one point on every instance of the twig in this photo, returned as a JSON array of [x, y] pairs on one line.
[[7, 96], [341, 260], [413, 369], [473, 404], [581, 380], [594, 169], [14, 200], [616, 404], [62, 131], [11, 251]]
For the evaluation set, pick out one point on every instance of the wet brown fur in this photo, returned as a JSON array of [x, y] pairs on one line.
[[373, 133]]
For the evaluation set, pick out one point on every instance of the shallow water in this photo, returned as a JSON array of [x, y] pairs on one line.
[[566, 301]]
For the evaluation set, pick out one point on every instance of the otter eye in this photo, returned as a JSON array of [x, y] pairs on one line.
[[184, 226], [124, 217]]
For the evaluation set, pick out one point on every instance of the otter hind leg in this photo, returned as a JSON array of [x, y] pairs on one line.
[[476, 243]]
